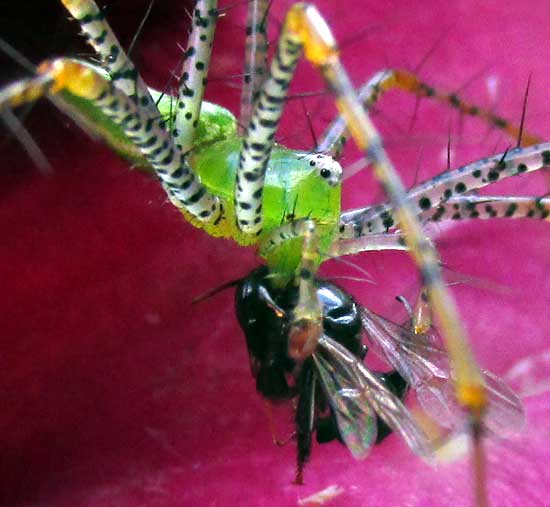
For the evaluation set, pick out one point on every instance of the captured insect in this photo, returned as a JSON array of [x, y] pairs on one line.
[[349, 391], [336, 396], [192, 319]]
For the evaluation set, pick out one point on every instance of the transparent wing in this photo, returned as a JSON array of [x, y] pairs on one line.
[[505, 414], [423, 362], [418, 358], [354, 416], [354, 393]]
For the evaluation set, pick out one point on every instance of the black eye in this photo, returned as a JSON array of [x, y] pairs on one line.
[[325, 173]]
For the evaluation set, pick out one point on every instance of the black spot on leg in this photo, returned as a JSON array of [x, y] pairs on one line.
[[522, 168], [493, 175], [251, 177], [454, 100], [100, 39], [113, 54], [460, 188], [490, 211], [511, 210], [438, 214], [424, 88], [388, 222], [424, 203]]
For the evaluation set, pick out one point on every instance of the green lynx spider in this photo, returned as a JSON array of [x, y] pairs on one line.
[[198, 168]]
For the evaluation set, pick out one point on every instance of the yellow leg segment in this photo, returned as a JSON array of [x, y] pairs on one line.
[[53, 77]]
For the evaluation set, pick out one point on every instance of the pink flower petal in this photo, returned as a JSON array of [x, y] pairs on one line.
[[117, 391]]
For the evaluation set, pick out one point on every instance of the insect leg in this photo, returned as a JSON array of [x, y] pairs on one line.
[[305, 418], [505, 413]]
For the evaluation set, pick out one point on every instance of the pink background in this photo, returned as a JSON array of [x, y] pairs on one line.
[[114, 390]]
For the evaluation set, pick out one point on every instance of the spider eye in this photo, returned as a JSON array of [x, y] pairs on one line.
[[325, 173]]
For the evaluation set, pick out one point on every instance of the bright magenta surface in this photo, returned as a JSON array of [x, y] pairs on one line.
[[116, 391]]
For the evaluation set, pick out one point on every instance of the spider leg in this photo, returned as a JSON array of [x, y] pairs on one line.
[[255, 61], [391, 79], [440, 189], [305, 26], [306, 325], [125, 102], [101, 37], [487, 207], [152, 140], [463, 207], [193, 78], [260, 135]]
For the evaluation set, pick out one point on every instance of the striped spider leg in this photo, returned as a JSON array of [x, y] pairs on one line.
[[196, 268]]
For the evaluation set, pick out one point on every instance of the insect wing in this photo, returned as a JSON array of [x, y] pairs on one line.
[[418, 358], [423, 363], [354, 416], [438, 399], [356, 390], [505, 412]]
